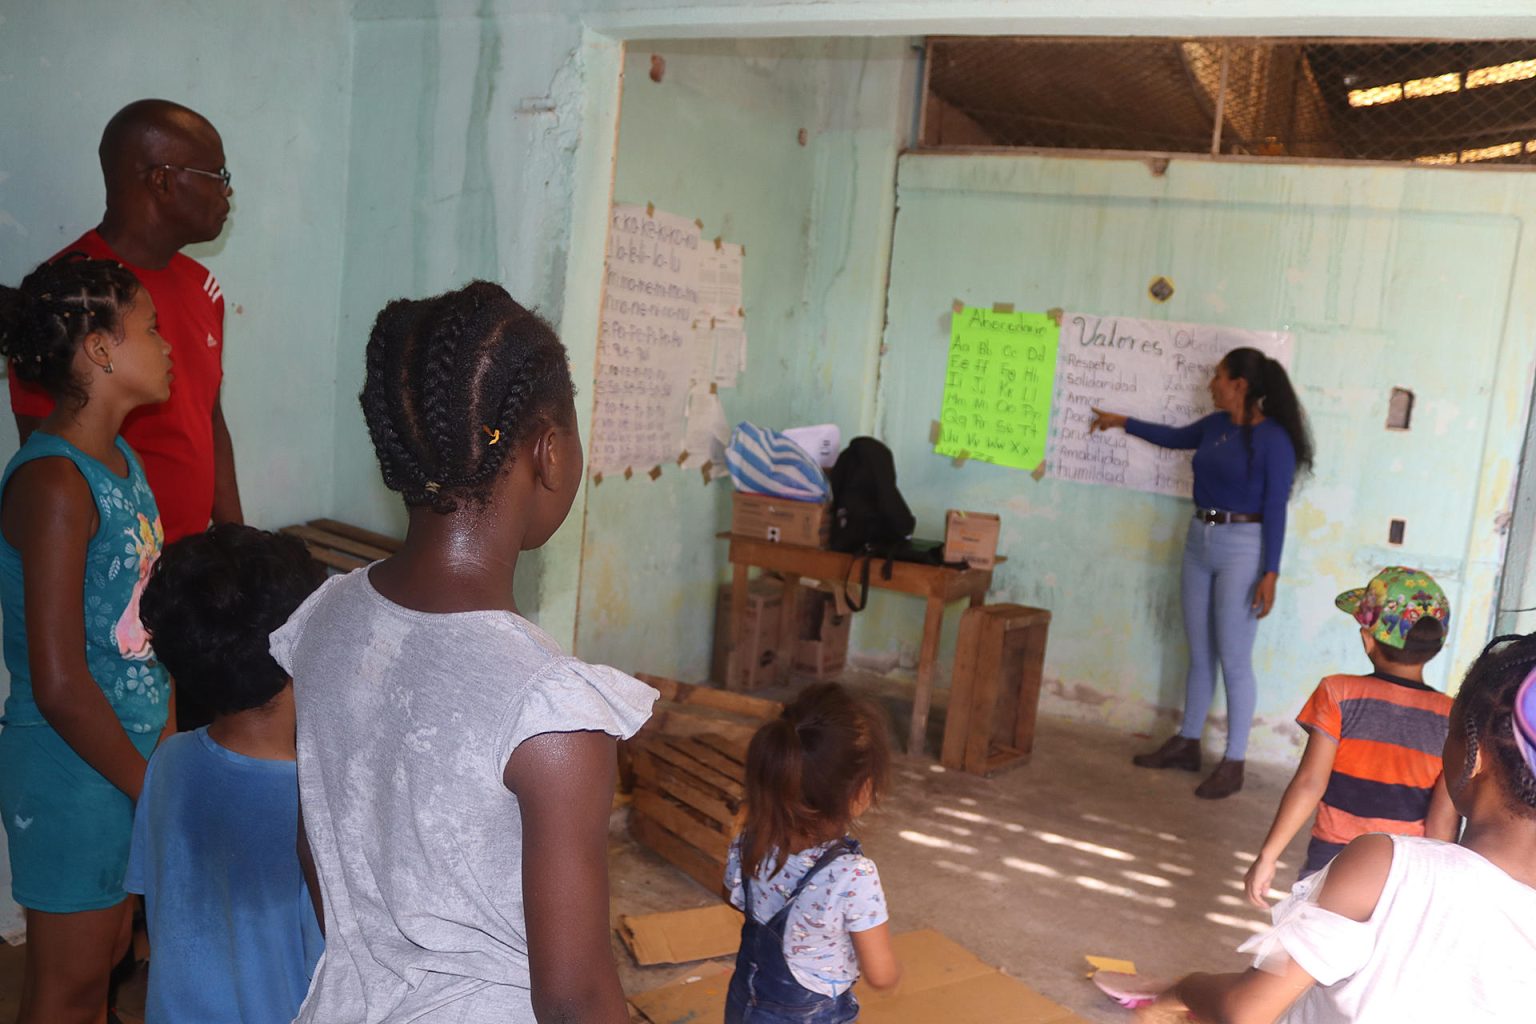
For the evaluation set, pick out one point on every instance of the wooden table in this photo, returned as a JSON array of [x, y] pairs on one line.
[[938, 584]]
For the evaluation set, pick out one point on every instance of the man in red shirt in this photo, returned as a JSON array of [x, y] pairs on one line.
[[167, 188]]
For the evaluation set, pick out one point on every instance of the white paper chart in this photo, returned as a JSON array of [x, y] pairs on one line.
[[647, 345], [1149, 369]]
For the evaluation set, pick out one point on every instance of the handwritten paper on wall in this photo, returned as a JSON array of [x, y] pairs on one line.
[[1148, 369], [721, 316], [997, 387], [646, 349]]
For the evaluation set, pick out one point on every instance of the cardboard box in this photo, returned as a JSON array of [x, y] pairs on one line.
[[681, 936], [821, 645], [942, 982], [807, 523], [761, 645], [971, 537]]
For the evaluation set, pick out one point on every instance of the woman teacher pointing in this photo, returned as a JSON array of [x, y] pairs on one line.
[[1247, 454]]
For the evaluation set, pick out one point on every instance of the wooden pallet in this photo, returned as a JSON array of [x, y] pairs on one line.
[[687, 771], [342, 546], [995, 693]]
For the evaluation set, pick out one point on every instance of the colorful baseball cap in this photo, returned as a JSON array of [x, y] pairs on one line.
[[1393, 601]]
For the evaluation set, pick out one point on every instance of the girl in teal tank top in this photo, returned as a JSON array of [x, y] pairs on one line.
[[79, 535]]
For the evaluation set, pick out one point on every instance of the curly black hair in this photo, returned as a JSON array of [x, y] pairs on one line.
[[43, 322], [1485, 706], [454, 383], [212, 601]]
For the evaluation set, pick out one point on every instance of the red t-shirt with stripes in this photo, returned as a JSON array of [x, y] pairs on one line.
[[1390, 734], [173, 440]]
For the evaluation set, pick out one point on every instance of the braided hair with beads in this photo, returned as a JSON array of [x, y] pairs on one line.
[[44, 320], [1489, 704], [455, 383]]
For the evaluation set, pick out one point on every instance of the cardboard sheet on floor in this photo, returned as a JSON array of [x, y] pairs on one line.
[[681, 936], [942, 981]]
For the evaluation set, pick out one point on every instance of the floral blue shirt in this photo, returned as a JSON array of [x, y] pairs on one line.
[[846, 897], [117, 564]]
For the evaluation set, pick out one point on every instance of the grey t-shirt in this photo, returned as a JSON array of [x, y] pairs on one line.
[[405, 724]]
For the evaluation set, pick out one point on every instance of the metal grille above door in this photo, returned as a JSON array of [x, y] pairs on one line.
[[1467, 103]]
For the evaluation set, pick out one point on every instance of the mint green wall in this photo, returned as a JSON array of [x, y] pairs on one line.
[[718, 139], [1375, 269], [274, 78]]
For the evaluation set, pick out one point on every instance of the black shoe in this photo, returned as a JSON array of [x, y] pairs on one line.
[[1223, 782], [1178, 752]]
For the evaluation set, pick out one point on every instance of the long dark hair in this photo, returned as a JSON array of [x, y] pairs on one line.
[[1270, 392], [806, 769]]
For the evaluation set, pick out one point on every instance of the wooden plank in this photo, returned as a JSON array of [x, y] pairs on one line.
[[1032, 657], [710, 697], [990, 669], [1003, 757], [357, 533], [690, 765], [708, 755], [818, 563], [669, 720], [958, 717], [692, 862], [730, 746], [331, 559], [336, 541], [676, 819], [658, 775]]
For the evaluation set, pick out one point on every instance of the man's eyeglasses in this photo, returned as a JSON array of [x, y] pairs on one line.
[[222, 174]]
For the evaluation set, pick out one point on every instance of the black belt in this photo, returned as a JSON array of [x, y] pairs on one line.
[[1219, 518]]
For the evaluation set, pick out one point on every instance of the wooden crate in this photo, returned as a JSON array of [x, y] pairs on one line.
[[342, 546], [995, 693], [686, 769]]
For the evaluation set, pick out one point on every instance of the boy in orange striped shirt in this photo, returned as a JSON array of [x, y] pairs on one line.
[[1372, 762]]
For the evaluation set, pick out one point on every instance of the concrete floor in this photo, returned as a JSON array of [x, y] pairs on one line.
[[1075, 853]]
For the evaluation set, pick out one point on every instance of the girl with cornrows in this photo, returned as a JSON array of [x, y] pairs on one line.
[[79, 532], [456, 769], [1247, 455], [1403, 928], [815, 916]]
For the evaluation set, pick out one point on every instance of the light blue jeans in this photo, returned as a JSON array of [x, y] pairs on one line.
[[1222, 566]]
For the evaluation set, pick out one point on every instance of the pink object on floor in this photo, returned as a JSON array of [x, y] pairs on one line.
[[1129, 990]]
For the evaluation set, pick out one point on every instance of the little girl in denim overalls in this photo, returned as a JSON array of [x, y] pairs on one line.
[[815, 912]]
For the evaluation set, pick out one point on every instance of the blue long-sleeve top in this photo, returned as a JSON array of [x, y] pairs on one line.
[[1231, 477]]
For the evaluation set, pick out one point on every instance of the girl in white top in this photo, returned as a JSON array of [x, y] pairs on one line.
[[1402, 929], [456, 769]]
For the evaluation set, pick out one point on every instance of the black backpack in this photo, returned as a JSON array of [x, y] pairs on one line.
[[868, 512]]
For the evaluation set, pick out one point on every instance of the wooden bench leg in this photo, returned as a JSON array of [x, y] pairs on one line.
[[933, 623], [736, 662]]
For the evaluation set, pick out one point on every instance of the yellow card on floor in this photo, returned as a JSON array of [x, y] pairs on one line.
[[1109, 963]]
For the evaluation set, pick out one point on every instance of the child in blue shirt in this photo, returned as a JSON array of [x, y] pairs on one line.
[[232, 928]]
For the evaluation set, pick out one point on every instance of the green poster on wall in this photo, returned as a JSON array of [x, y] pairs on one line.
[[997, 387]]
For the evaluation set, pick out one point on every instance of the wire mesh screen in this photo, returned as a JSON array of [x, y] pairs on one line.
[[1415, 102]]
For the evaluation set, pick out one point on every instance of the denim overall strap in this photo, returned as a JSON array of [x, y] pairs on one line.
[[845, 846], [764, 990]]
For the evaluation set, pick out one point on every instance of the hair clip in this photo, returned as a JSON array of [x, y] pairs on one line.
[[1523, 720], [432, 487], [494, 435]]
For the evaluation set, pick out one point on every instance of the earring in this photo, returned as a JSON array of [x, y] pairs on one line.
[[108, 367]]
